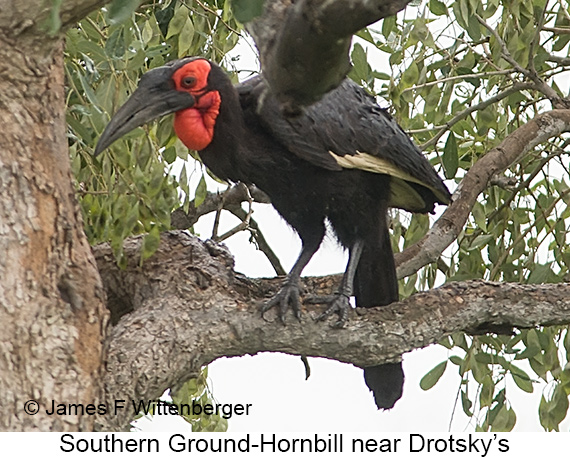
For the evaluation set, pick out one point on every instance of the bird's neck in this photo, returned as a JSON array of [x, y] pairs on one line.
[[225, 153]]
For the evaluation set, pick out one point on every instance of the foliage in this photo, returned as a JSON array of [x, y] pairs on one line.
[[132, 190], [195, 395], [196, 391], [463, 76]]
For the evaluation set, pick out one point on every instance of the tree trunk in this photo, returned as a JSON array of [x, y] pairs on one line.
[[51, 298]]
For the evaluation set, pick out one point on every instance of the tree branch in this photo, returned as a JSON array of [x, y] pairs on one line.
[[189, 308], [73, 11], [299, 74], [447, 228], [21, 17], [233, 196]]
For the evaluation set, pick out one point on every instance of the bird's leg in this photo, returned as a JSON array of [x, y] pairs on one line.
[[340, 301], [289, 293]]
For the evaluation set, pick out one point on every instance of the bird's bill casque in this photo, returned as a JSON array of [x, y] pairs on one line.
[[155, 97]]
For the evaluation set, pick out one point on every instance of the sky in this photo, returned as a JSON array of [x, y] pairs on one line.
[[335, 397]]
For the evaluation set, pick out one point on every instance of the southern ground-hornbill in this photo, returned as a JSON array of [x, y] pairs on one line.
[[344, 159]]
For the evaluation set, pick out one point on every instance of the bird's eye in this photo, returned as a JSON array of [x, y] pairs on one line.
[[188, 82]]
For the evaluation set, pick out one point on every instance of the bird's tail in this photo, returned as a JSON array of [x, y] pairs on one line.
[[376, 284]]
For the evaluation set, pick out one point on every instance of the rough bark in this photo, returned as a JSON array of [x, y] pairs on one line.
[[18, 18], [51, 299], [187, 307]]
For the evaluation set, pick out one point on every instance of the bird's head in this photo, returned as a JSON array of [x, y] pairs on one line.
[[184, 87]]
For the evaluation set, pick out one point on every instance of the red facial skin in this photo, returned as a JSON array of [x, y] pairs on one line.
[[195, 126]]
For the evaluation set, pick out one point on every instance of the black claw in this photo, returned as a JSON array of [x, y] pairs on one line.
[[338, 304], [287, 297]]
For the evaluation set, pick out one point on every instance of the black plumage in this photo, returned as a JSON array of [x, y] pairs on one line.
[[344, 159]]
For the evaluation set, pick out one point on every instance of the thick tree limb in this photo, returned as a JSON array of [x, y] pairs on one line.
[[447, 228], [189, 307], [52, 304], [304, 44], [22, 17]]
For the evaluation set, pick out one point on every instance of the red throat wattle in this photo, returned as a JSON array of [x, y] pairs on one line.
[[195, 126]]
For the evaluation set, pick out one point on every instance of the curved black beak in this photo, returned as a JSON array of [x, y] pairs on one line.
[[155, 97]]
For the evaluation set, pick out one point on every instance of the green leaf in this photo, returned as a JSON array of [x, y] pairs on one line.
[[479, 215], [450, 158], [359, 62], [438, 8], [522, 380], [431, 378], [201, 192], [447, 343], [466, 404], [115, 44], [459, 340], [246, 10], [487, 390], [88, 91], [169, 154], [150, 243], [540, 274], [121, 10], [456, 360], [552, 412], [366, 35], [185, 38], [504, 420], [410, 76], [531, 340], [479, 370], [177, 22], [54, 18], [559, 404], [388, 25]]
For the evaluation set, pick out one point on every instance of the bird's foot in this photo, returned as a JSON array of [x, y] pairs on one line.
[[287, 297], [339, 303]]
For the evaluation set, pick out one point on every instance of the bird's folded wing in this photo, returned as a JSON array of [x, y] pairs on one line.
[[348, 130]]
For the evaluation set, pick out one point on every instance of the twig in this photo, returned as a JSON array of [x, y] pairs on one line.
[[245, 221], [218, 214], [211, 11], [516, 87], [238, 228], [522, 235], [260, 240], [235, 195], [541, 86], [564, 61], [522, 185], [557, 30], [457, 77]]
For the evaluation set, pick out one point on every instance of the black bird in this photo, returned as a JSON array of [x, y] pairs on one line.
[[344, 159]]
